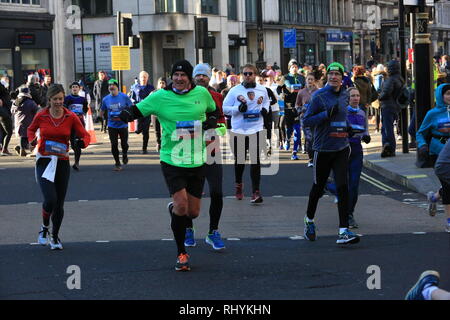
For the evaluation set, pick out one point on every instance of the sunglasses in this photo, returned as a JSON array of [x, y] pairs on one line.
[[248, 74]]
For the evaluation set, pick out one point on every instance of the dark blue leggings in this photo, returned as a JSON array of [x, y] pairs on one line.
[[54, 193]]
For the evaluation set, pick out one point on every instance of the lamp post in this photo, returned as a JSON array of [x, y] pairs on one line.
[[404, 112], [260, 64]]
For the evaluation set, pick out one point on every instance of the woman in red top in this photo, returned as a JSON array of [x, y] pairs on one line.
[[55, 124]]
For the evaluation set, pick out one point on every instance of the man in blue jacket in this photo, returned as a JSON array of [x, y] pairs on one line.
[[327, 115]]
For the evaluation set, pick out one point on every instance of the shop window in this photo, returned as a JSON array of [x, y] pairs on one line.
[[23, 2], [94, 8], [250, 10], [210, 6], [6, 66], [232, 10], [169, 6]]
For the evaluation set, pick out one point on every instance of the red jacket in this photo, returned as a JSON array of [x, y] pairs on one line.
[[218, 99], [57, 130]]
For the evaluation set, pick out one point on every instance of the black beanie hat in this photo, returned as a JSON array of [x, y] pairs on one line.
[[184, 66]]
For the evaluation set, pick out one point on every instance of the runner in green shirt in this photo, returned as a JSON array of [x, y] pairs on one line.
[[185, 111]]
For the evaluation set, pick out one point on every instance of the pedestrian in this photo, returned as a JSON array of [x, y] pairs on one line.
[[427, 288], [112, 105], [187, 109], [24, 110], [390, 109], [6, 129], [78, 105], [213, 167], [162, 84], [44, 88], [268, 117], [275, 118], [247, 104], [282, 91], [303, 100], [141, 91], [35, 90], [101, 90], [357, 120], [327, 115], [55, 124], [442, 170], [379, 76], [364, 86]]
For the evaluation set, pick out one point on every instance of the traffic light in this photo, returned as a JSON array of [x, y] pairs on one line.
[[127, 30]]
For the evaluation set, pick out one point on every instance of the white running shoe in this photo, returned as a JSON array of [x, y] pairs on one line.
[[43, 238], [55, 244]]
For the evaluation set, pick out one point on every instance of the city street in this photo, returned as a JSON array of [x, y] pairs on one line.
[[117, 231]]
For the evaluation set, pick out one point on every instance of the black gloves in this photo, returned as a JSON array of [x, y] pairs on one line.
[[333, 111], [264, 112], [243, 107], [366, 139], [210, 123], [350, 132], [126, 115]]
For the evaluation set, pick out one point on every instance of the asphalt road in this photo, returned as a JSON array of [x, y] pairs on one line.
[[116, 231]]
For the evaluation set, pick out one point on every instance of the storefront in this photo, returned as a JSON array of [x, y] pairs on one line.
[[25, 45], [339, 47]]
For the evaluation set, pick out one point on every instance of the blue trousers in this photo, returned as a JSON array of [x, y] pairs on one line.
[[388, 116], [296, 129], [355, 165]]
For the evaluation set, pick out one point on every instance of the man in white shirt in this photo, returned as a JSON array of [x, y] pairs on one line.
[[247, 104]]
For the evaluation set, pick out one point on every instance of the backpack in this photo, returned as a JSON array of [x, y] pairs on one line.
[[374, 93], [403, 97]]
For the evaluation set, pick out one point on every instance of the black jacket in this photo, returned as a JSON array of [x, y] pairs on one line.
[[392, 87]]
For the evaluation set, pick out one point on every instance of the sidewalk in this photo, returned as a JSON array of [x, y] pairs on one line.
[[400, 169]]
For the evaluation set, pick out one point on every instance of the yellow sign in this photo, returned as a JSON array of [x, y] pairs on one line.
[[120, 58]]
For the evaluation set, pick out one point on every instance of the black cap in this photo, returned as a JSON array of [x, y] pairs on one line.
[[184, 66], [75, 83]]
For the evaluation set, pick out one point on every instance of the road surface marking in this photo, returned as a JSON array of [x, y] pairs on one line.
[[166, 239], [133, 199], [418, 176], [234, 239], [419, 233], [31, 203], [102, 241], [83, 200], [297, 238], [376, 183]]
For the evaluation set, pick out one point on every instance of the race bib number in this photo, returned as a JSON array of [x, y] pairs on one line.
[[358, 128], [76, 108], [444, 125], [114, 116], [296, 87], [191, 129], [55, 148], [251, 116], [338, 130]]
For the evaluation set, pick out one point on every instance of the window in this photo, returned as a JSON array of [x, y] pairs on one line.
[[169, 6], [232, 10], [94, 8], [24, 2], [305, 11], [210, 6], [250, 10]]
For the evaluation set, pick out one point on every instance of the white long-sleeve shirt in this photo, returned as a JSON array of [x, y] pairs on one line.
[[251, 121]]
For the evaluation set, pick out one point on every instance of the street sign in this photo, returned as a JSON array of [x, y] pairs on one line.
[[120, 58], [429, 3], [290, 38]]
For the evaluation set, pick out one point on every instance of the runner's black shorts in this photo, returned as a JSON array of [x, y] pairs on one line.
[[178, 178]]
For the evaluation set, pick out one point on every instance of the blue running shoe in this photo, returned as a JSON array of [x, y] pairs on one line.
[[426, 279], [432, 203], [287, 146], [310, 230], [189, 240], [347, 237], [215, 240], [294, 156]]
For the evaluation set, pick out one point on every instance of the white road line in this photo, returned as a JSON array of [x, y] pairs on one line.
[[83, 200], [278, 196], [103, 241], [32, 203], [297, 238], [34, 244], [166, 239], [419, 233], [233, 239], [133, 199]]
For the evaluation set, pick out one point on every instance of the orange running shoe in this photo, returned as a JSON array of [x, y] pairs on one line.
[[183, 263]]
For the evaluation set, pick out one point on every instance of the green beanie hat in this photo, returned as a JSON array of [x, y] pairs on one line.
[[114, 82], [336, 66]]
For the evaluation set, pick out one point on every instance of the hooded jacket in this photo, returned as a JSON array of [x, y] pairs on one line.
[[24, 109], [435, 125], [391, 87]]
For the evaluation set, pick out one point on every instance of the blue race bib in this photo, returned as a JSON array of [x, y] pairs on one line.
[[55, 148], [338, 130], [76, 108], [251, 116], [444, 125]]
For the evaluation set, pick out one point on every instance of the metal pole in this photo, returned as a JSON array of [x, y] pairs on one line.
[[260, 64], [82, 44], [423, 66], [197, 52], [404, 112]]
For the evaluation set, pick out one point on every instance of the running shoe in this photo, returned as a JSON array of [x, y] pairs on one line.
[[447, 228], [189, 240], [43, 238], [117, 168], [294, 156], [183, 263], [310, 164], [215, 240], [17, 149], [55, 243], [125, 159], [281, 147], [287, 146], [239, 191], [432, 203], [75, 167], [256, 198], [347, 237], [426, 279], [310, 230]]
